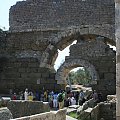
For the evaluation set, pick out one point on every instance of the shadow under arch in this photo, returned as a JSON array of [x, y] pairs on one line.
[[67, 66]]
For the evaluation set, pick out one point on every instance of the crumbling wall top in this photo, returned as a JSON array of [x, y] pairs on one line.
[[60, 14]]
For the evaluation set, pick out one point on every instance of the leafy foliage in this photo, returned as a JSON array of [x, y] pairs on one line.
[[81, 76], [73, 114]]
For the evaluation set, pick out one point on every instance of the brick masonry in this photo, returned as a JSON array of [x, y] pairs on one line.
[[57, 14], [39, 28], [98, 58]]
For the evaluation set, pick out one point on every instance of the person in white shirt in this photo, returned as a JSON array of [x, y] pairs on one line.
[[26, 94], [73, 101]]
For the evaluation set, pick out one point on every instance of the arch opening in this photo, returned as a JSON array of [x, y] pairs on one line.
[[61, 56], [67, 66], [79, 76], [63, 46]]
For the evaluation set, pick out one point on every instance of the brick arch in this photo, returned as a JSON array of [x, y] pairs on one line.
[[67, 66], [68, 35]]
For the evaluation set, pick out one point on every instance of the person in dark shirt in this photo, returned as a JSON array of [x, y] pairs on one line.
[[77, 97]]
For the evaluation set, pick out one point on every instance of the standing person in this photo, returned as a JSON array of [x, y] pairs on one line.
[[37, 96], [42, 96], [21, 95], [55, 102], [81, 97], [72, 101], [77, 97], [61, 99], [95, 96], [45, 96], [30, 96], [50, 100], [100, 97], [14, 96], [26, 94]]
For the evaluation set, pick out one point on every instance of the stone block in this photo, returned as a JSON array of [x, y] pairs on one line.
[[33, 65], [53, 115], [5, 114], [34, 75], [26, 108], [24, 75], [109, 76], [45, 75], [22, 70]]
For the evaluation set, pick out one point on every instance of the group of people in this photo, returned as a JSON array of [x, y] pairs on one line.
[[23, 96], [59, 99]]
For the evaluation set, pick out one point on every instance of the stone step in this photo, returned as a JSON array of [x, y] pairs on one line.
[[70, 118]]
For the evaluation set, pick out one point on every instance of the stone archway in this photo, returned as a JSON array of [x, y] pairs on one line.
[[67, 66], [68, 35], [53, 32], [65, 38]]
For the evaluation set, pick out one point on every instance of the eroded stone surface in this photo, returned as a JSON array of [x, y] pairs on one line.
[[97, 58], [58, 115], [32, 43], [27, 108], [5, 114]]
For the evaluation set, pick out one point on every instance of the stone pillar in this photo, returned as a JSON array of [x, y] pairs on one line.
[[117, 17]]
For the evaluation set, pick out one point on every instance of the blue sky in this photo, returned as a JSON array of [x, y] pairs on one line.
[[4, 12]]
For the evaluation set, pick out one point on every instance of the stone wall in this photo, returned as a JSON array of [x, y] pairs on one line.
[[18, 74], [32, 43], [5, 114], [20, 64], [102, 111], [58, 115], [57, 14], [2, 42], [98, 58], [117, 34], [107, 111], [27, 108], [30, 58]]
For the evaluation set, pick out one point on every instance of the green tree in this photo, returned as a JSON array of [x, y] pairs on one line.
[[81, 76], [72, 77]]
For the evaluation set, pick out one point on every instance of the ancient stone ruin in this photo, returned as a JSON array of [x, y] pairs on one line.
[[38, 29]]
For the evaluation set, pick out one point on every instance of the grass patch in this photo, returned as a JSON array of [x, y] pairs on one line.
[[73, 114]]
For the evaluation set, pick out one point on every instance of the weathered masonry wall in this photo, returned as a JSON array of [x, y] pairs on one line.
[[2, 42], [103, 58], [117, 33], [58, 14], [98, 58], [57, 115], [18, 74], [20, 64], [26, 108], [39, 28], [106, 111]]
